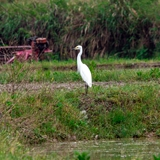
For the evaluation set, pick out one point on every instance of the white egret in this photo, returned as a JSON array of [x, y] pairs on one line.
[[83, 70]]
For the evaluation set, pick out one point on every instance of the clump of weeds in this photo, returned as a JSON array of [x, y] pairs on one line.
[[116, 111]]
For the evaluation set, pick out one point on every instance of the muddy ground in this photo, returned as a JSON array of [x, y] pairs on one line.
[[73, 85], [34, 87], [111, 66], [99, 66]]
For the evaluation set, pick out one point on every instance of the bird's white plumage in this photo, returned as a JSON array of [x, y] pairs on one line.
[[83, 68], [86, 74]]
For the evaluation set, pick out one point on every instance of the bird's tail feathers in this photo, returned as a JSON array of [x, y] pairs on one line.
[[90, 84]]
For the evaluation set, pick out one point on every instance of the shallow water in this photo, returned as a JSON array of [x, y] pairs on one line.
[[120, 149]]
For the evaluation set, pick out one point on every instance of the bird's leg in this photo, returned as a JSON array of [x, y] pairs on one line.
[[86, 88]]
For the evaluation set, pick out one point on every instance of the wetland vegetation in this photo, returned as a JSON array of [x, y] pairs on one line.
[[47, 105], [45, 102], [123, 28]]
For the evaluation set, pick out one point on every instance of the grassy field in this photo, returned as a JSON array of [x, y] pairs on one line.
[[65, 71], [45, 101], [40, 103]]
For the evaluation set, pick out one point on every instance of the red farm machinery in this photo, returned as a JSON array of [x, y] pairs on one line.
[[36, 49]]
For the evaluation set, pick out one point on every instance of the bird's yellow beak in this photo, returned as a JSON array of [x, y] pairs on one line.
[[76, 48]]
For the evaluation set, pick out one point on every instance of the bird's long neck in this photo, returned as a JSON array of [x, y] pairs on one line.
[[79, 61]]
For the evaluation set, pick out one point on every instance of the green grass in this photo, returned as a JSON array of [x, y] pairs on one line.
[[125, 106], [11, 149], [65, 71], [129, 110], [97, 61]]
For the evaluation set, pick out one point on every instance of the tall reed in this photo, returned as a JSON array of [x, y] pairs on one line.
[[122, 28]]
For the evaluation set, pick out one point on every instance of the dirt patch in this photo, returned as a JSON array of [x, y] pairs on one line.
[[69, 86], [99, 66], [130, 65], [109, 66]]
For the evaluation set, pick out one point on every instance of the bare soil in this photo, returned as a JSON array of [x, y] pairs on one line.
[[101, 66], [112, 66], [69, 86]]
